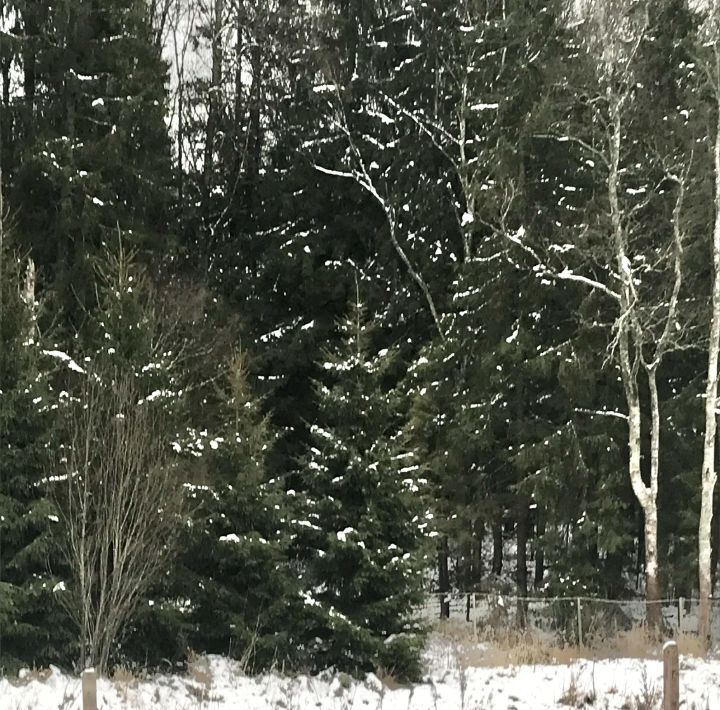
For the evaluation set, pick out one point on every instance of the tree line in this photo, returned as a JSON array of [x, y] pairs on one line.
[[308, 309]]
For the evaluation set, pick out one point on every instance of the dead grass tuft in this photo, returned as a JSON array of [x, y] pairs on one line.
[[648, 698], [388, 680], [124, 676], [637, 642], [200, 679], [690, 645], [575, 697], [198, 670], [493, 647], [516, 647], [124, 679]]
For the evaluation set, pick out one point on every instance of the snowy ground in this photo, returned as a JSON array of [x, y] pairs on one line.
[[217, 683]]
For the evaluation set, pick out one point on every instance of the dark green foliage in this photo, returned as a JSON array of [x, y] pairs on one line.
[[365, 524], [231, 589], [29, 632], [237, 551], [88, 152], [470, 133]]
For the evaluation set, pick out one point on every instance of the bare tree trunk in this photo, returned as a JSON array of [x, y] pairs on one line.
[[255, 133], [652, 593], [521, 572], [477, 563], [180, 142], [213, 121], [444, 578], [497, 534], [539, 551], [29, 61], [652, 584], [216, 24], [5, 71], [178, 19], [2, 300], [640, 555], [158, 13], [630, 357], [646, 495], [239, 147], [2, 218], [464, 562], [715, 551]]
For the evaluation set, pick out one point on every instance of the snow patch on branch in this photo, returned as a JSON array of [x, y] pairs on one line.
[[64, 357]]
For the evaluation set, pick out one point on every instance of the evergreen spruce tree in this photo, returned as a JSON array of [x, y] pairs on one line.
[[234, 576], [242, 591], [29, 628], [94, 157], [362, 541]]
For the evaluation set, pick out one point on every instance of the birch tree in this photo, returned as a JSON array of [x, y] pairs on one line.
[[711, 67], [644, 278], [615, 256], [613, 251]]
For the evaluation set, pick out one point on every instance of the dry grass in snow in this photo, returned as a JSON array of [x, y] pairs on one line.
[[464, 672]]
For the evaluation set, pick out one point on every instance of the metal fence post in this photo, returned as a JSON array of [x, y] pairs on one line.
[[681, 612], [89, 689], [579, 621], [671, 677]]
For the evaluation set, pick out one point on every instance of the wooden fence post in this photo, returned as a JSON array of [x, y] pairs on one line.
[[671, 677], [89, 689]]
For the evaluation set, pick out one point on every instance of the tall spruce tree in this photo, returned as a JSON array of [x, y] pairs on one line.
[[90, 151], [242, 591], [362, 541]]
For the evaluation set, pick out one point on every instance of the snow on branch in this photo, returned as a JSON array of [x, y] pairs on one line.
[[565, 274], [361, 176], [601, 413], [64, 357]]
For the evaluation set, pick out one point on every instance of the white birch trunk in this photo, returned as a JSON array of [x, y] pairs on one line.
[[709, 475], [646, 495], [652, 585], [629, 365]]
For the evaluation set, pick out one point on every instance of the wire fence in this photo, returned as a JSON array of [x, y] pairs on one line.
[[571, 619]]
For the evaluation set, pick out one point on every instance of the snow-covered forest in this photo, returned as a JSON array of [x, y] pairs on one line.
[[311, 309]]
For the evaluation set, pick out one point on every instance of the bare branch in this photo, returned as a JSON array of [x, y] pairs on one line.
[[601, 413], [362, 177], [119, 508], [671, 320], [564, 275]]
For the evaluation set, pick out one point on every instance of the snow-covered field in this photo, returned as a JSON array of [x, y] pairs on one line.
[[214, 682]]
